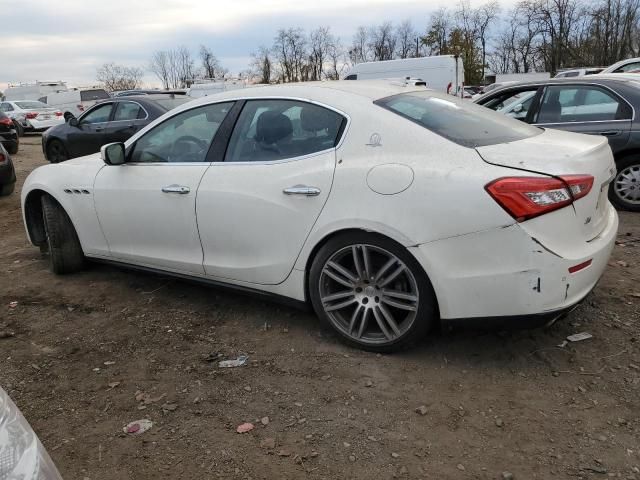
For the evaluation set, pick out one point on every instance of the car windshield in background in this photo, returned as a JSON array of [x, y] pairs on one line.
[[97, 94], [31, 105], [172, 102], [466, 124]]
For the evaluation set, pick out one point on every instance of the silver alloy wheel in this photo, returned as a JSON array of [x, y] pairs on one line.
[[369, 294], [627, 184]]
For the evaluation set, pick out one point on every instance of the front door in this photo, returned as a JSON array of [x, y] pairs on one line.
[[586, 109], [256, 208], [88, 135], [147, 207]]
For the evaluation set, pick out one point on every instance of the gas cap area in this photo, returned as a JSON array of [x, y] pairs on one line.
[[390, 178]]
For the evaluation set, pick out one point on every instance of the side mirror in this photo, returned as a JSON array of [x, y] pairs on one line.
[[113, 153], [518, 108], [73, 121]]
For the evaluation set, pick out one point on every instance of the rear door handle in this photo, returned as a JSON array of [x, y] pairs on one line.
[[302, 190], [610, 133], [179, 189]]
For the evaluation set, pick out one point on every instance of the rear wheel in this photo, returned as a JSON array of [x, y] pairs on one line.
[[372, 292], [65, 251], [56, 152], [624, 191], [13, 148], [19, 128], [7, 189]]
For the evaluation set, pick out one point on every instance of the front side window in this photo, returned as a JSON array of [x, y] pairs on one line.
[[578, 103], [185, 137], [128, 111], [629, 67], [514, 103], [99, 114], [277, 129], [457, 120]]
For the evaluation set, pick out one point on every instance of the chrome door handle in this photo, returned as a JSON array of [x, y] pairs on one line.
[[610, 133], [179, 189], [302, 190]]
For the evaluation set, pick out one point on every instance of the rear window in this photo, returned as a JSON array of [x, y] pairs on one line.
[[97, 94], [458, 120], [31, 105], [172, 102]]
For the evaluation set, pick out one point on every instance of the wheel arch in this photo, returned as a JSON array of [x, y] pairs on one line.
[[51, 139], [344, 231], [34, 222], [627, 153]]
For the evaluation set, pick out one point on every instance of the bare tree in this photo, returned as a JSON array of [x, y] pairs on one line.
[[484, 16], [405, 38], [118, 77], [359, 51], [320, 41], [438, 32], [382, 42], [290, 51], [210, 65], [261, 65], [160, 67]]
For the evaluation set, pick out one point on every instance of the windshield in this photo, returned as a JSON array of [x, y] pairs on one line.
[[172, 102], [31, 105], [457, 120]]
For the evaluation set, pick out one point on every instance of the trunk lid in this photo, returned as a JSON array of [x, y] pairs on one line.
[[558, 153]]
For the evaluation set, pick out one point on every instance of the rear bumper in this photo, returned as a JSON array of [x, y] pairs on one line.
[[503, 275], [39, 125]]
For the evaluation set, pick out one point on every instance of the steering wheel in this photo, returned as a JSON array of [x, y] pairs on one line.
[[187, 153]]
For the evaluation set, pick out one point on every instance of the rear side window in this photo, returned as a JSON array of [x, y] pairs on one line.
[[97, 94], [564, 104], [128, 111], [457, 120]]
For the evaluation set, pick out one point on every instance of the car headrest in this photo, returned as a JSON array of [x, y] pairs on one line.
[[273, 127], [317, 119]]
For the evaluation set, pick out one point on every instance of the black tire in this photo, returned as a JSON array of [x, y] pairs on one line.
[[56, 152], [65, 251], [628, 175], [7, 189], [19, 128], [13, 148], [407, 331]]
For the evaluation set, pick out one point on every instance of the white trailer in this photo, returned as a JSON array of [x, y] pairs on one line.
[[444, 73], [33, 91]]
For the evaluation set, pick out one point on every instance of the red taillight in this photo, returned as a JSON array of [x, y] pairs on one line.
[[6, 121], [2, 158], [58, 114], [31, 115], [580, 266], [528, 197]]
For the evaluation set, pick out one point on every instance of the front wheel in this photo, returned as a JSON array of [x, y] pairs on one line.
[[65, 251], [56, 152], [372, 292], [624, 191]]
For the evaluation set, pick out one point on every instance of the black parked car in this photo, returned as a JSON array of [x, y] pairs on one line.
[[8, 134], [607, 105], [113, 120], [7, 173]]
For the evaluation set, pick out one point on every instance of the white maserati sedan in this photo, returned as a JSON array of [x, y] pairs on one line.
[[389, 208]]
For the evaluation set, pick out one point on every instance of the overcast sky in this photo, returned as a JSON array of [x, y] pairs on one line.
[[68, 39]]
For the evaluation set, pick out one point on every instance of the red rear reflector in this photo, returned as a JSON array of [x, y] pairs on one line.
[[6, 121], [31, 115], [528, 197], [580, 266], [58, 114]]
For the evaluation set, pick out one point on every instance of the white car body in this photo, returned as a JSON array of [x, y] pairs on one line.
[[624, 66], [387, 175], [579, 72], [33, 91], [443, 73], [32, 114]]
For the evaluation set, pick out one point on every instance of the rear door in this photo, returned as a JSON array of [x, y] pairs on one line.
[[128, 117], [257, 207], [590, 109]]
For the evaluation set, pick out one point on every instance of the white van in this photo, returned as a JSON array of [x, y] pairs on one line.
[[33, 91], [444, 73], [204, 89], [76, 100]]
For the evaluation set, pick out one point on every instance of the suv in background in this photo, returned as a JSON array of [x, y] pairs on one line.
[[595, 104], [75, 101]]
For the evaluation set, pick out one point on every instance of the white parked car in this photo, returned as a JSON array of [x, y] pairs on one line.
[[630, 65], [388, 208], [32, 115]]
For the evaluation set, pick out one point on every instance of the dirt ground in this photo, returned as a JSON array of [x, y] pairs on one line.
[[83, 355]]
